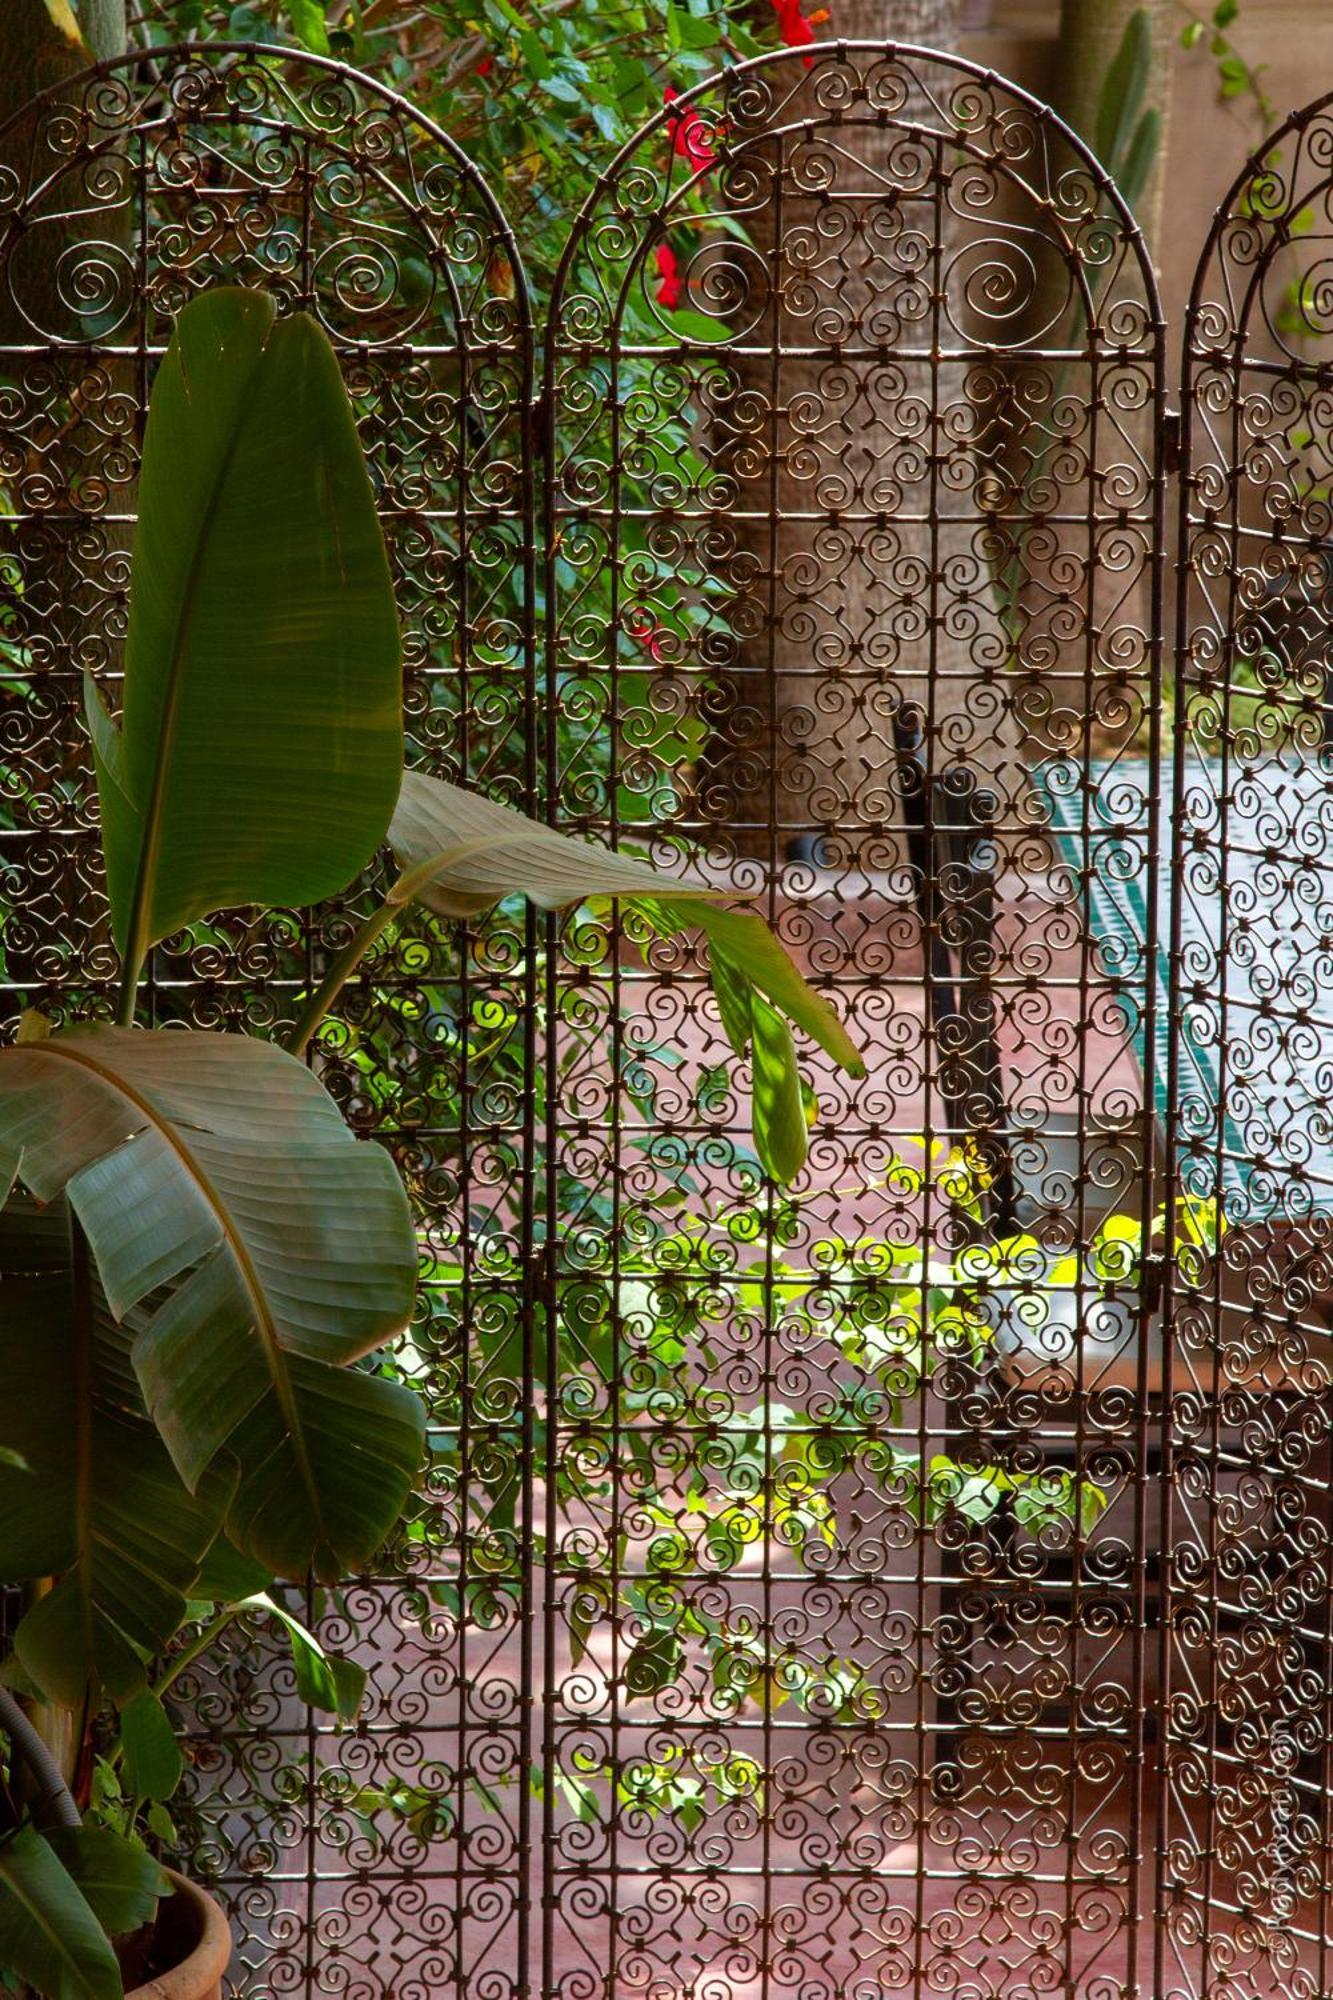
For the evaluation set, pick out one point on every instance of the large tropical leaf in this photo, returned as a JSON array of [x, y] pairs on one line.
[[120, 1882], [88, 1493], [261, 746], [151, 1750], [63, 1896], [259, 1248], [465, 853], [461, 854], [50, 1938]]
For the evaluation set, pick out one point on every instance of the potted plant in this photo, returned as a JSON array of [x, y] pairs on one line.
[[196, 1255]]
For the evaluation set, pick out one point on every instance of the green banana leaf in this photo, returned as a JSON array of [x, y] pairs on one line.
[[261, 745], [778, 1102], [1123, 90], [325, 1680], [461, 854], [255, 1249], [89, 1494], [60, 1896], [227, 1576], [120, 1882], [1140, 155], [150, 1748]]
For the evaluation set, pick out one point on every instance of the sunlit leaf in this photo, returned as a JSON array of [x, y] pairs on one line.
[[461, 854]]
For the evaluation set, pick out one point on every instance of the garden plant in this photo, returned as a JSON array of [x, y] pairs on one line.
[[196, 1252]]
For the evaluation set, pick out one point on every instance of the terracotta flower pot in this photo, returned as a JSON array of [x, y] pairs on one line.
[[193, 1939]]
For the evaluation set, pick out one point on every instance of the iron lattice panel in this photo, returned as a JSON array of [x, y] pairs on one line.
[[1248, 1820], [123, 195], [786, 1610], [913, 1754]]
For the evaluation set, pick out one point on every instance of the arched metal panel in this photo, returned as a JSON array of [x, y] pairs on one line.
[[854, 399], [123, 193], [1247, 1819]]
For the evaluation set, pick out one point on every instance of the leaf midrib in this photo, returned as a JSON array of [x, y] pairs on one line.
[[274, 1353], [427, 874]]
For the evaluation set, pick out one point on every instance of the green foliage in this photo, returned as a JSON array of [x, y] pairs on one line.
[[1128, 134], [876, 1324], [461, 854], [152, 1756], [1114, 1255], [61, 1895], [177, 1153], [261, 748], [1236, 77], [323, 1680], [194, 1250], [687, 1786], [92, 1498], [877, 1327], [118, 1881], [541, 99]]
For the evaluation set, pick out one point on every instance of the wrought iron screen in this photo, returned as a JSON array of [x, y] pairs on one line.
[[914, 1581], [1248, 1826]]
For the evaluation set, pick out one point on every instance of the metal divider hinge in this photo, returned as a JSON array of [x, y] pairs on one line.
[[1154, 1280]]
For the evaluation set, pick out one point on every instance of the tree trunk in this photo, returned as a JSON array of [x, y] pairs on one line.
[[864, 611], [41, 48], [104, 27]]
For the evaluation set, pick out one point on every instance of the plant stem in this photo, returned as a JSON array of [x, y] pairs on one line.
[[52, 1791], [60, 1730], [201, 1642], [129, 992], [338, 974], [402, 892]]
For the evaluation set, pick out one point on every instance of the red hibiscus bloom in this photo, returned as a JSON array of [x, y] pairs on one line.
[[668, 293], [690, 137], [795, 30]]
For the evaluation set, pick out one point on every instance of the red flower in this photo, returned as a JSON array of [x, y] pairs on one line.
[[690, 137], [795, 30], [640, 626], [668, 270], [484, 66]]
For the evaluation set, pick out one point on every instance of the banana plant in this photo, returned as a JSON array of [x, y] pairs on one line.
[[1128, 134], [460, 855], [195, 1252]]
